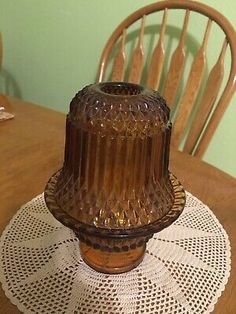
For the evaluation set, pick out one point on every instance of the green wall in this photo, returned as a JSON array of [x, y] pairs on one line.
[[52, 48]]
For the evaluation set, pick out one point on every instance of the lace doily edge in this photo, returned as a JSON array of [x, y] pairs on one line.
[[211, 307], [7, 293], [228, 256]]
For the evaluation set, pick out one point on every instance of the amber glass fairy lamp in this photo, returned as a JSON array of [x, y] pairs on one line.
[[114, 189]]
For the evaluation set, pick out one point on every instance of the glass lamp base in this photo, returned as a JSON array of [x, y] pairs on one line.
[[112, 262], [114, 251]]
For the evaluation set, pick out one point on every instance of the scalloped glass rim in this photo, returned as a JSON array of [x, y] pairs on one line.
[[79, 227]]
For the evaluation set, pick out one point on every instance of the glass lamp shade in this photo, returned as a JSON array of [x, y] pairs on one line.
[[114, 189]]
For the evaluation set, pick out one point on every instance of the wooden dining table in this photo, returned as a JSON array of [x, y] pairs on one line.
[[32, 148]]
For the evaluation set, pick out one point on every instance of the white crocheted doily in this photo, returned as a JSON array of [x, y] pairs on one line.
[[185, 268]]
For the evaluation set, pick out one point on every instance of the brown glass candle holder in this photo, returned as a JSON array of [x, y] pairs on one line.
[[114, 190]]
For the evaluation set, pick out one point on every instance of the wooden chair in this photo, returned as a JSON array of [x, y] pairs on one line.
[[0, 51], [5, 107], [198, 95]]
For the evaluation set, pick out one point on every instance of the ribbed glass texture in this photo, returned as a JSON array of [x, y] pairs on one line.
[[115, 173]]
